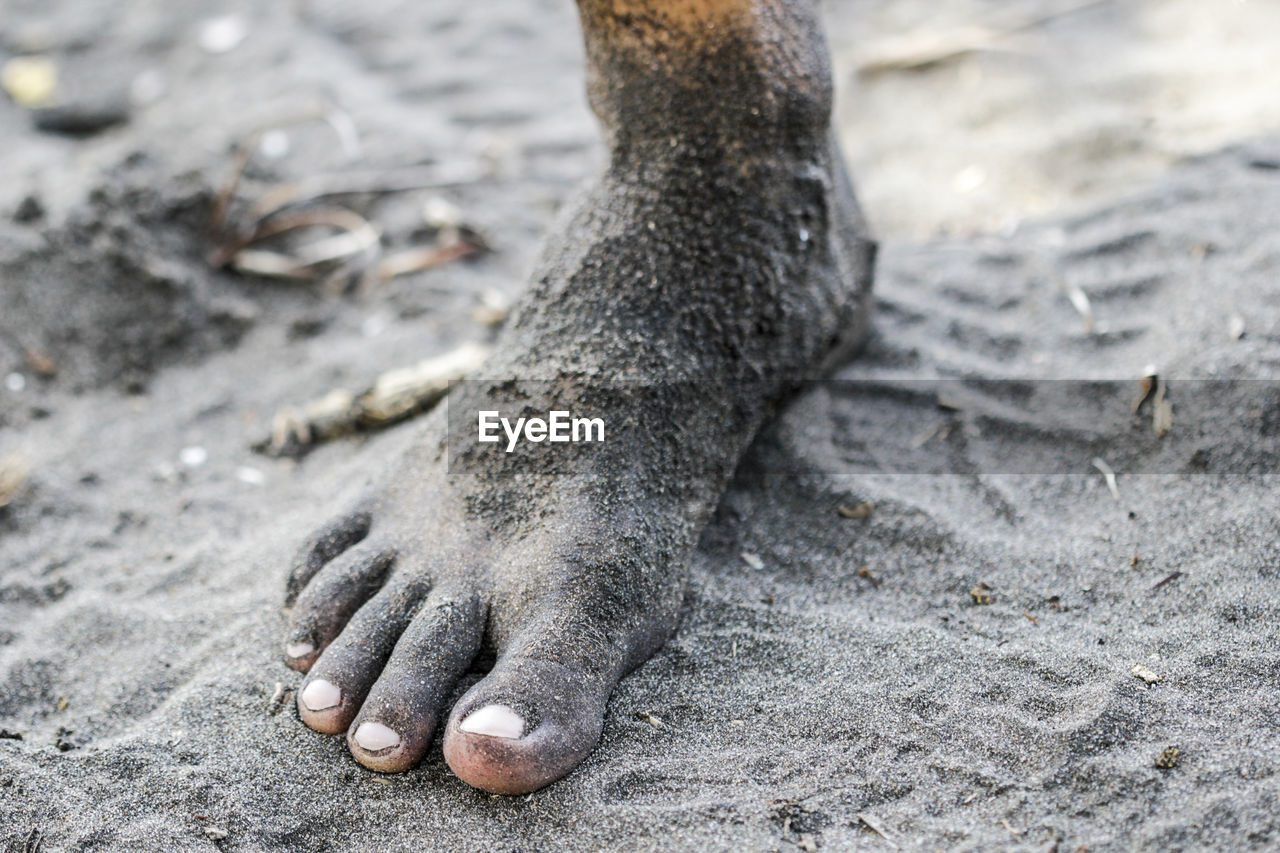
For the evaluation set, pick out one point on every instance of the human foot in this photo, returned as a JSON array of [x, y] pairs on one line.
[[719, 259]]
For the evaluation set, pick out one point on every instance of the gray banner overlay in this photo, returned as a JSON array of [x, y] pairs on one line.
[[907, 426]]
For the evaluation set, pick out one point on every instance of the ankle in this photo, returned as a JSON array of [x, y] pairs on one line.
[[745, 72]]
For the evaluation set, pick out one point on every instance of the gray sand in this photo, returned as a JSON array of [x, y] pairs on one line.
[[800, 704]]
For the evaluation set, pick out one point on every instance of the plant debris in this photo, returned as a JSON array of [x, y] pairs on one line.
[[423, 258], [41, 365], [1168, 758], [1144, 674], [1109, 475], [1172, 576], [13, 475], [982, 594], [1156, 390], [395, 396], [278, 699], [938, 430], [859, 510], [922, 50], [878, 828], [352, 247], [651, 719]]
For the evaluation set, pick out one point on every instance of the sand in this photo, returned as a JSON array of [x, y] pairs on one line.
[[852, 692]]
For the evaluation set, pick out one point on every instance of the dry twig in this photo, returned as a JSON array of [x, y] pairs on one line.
[[396, 395]]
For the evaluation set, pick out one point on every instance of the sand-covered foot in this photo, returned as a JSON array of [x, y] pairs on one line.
[[719, 259]]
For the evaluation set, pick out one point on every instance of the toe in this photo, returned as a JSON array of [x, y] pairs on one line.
[[531, 720], [395, 724], [340, 679], [330, 599], [325, 544]]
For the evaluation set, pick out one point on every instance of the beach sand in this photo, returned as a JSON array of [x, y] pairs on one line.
[[954, 669]]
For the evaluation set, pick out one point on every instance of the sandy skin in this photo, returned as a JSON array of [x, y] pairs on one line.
[[719, 259]]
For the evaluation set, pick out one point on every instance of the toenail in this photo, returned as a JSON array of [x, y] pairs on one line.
[[375, 736], [299, 650], [495, 721], [321, 694]]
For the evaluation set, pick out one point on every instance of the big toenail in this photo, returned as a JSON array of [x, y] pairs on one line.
[[375, 736], [321, 694], [299, 650], [495, 721]]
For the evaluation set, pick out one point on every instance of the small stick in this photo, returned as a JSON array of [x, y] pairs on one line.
[[877, 828], [395, 395]]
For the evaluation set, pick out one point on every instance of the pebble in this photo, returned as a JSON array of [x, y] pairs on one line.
[[193, 457], [223, 34]]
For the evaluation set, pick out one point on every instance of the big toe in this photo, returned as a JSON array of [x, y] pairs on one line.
[[526, 725]]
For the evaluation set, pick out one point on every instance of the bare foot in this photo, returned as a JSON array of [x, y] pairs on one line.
[[719, 259]]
